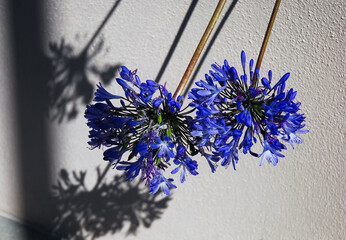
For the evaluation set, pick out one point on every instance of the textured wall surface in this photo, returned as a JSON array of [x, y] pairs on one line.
[[54, 52]]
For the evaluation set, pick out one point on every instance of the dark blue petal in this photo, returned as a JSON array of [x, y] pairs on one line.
[[119, 122], [174, 171], [180, 150], [158, 102], [124, 84], [178, 105], [161, 152], [171, 145], [243, 59], [251, 64], [142, 148], [240, 106], [270, 75], [257, 73], [234, 74], [182, 175], [283, 79], [203, 92], [138, 81], [281, 87], [134, 123], [280, 96], [196, 133], [265, 83], [102, 94], [154, 145], [244, 78], [113, 154], [152, 83], [170, 153], [125, 73], [237, 133], [248, 119], [122, 103]]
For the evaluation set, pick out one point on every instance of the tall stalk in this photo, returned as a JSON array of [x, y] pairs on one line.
[[199, 48], [266, 39]]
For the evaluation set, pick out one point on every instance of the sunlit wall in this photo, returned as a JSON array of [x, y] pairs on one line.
[[54, 52]]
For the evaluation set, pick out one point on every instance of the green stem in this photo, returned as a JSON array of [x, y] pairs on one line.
[[265, 40], [199, 48]]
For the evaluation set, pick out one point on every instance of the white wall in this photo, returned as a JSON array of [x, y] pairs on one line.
[[303, 197]]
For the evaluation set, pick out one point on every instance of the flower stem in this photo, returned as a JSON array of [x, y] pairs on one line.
[[199, 48], [266, 39]]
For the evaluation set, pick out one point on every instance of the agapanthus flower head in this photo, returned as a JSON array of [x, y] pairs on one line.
[[148, 123], [232, 113]]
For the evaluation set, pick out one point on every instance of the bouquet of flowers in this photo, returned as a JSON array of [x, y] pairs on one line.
[[232, 111]]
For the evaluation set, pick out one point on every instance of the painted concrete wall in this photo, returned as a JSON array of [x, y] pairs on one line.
[[54, 52]]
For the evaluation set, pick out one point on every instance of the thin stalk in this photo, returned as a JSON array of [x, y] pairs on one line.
[[265, 40], [199, 48]]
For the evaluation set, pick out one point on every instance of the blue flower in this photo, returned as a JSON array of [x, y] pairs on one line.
[[185, 163], [157, 102], [245, 117], [246, 144], [132, 168], [206, 129], [164, 147], [162, 183], [147, 122], [98, 138], [113, 154], [208, 94], [271, 146], [102, 94], [229, 153], [97, 112], [292, 126], [212, 159], [148, 89], [233, 112]]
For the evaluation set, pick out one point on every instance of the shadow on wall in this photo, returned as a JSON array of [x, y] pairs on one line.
[[176, 40], [69, 84], [105, 209], [57, 82], [209, 45], [79, 212]]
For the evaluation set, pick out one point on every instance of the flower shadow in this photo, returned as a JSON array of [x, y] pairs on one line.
[[105, 209], [70, 84]]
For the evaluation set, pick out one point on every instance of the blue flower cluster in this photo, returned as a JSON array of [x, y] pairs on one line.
[[232, 112], [149, 124]]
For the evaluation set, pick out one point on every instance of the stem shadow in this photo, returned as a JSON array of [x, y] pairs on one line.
[[176, 40], [210, 44], [69, 84]]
